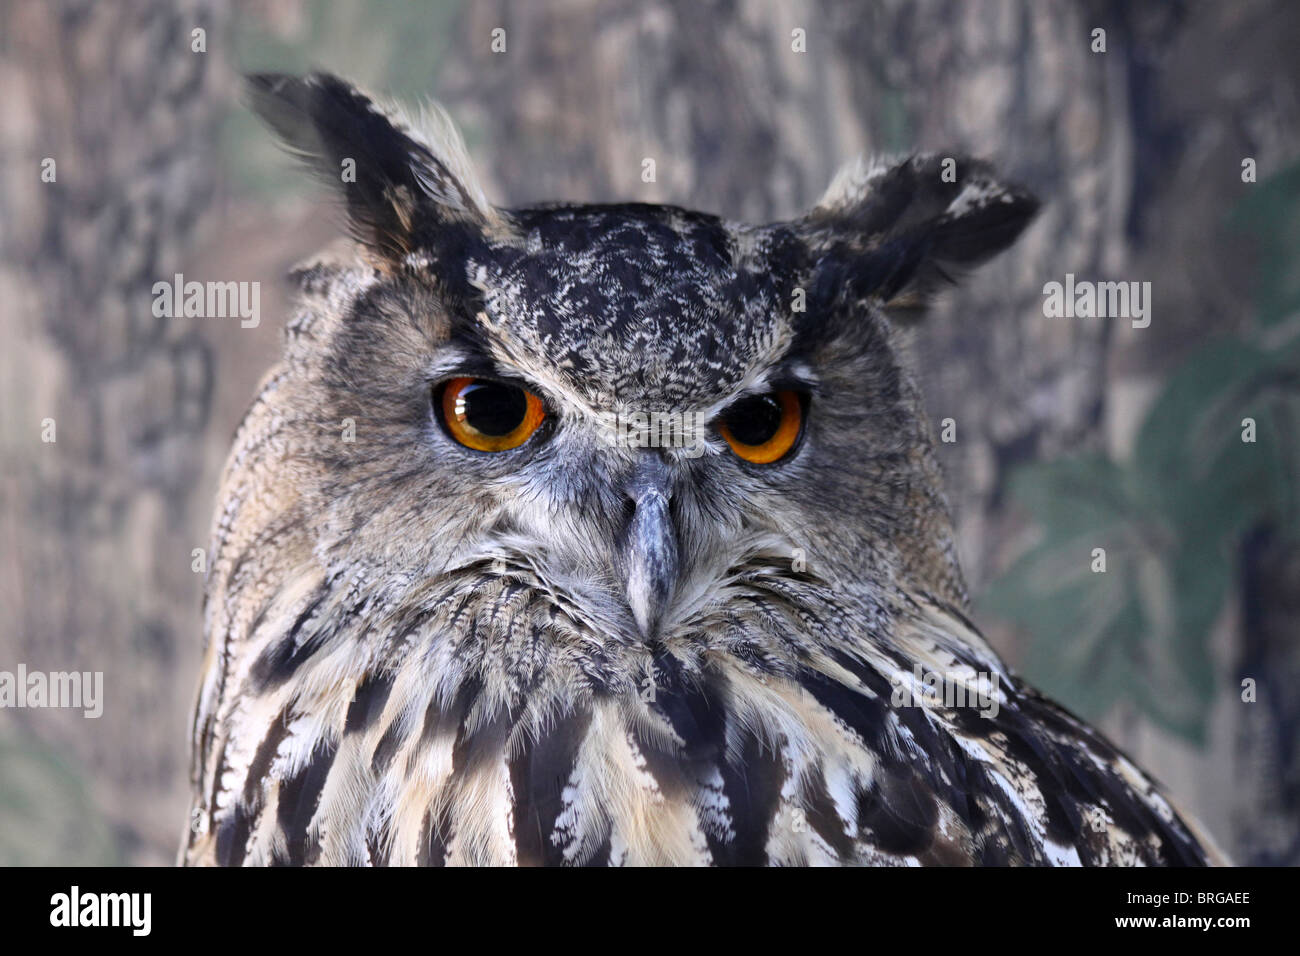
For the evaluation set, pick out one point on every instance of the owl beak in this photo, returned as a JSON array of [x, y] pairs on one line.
[[650, 552]]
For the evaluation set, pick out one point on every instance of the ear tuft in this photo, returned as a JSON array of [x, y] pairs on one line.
[[401, 181], [894, 232]]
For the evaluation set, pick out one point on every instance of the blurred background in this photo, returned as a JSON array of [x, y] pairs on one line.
[[1071, 434]]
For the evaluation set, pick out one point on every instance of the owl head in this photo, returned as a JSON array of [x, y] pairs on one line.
[[593, 430]]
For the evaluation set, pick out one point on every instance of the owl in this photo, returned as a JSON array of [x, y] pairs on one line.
[[614, 534]]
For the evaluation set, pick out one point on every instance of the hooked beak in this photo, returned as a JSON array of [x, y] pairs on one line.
[[650, 548]]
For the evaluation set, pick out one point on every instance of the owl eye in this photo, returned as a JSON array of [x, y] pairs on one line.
[[762, 429], [488, 416]]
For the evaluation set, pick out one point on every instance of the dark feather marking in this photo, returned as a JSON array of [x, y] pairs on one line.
[[996, 843], [378, 847], [1066, 780], [434, 837], [440, 720], [387, 747], [753, 788], [277, 663], [825, 819], [369, 702], [1063, 820], [232, 834], [299, 798], [945, 851], [232, 837], [943, 770], [538, 776], [484, 745], [1078, 778], [694, 710], [867, 716], [898, 812], [692, 707]]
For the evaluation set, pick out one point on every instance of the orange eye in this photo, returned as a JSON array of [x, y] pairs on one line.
[[489, 416], [762, 429]]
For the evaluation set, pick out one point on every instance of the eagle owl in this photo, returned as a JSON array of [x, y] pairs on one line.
[[613, 534]]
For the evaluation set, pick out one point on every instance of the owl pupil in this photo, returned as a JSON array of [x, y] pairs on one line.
[[755, 420], [491, 408]]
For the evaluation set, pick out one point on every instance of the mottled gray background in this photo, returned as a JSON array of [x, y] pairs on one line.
[[1136, 151]]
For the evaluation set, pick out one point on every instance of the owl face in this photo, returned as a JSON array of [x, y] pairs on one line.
[[634, 420]]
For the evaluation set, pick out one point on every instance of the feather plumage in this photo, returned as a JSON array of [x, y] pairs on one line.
[[419, 654]]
